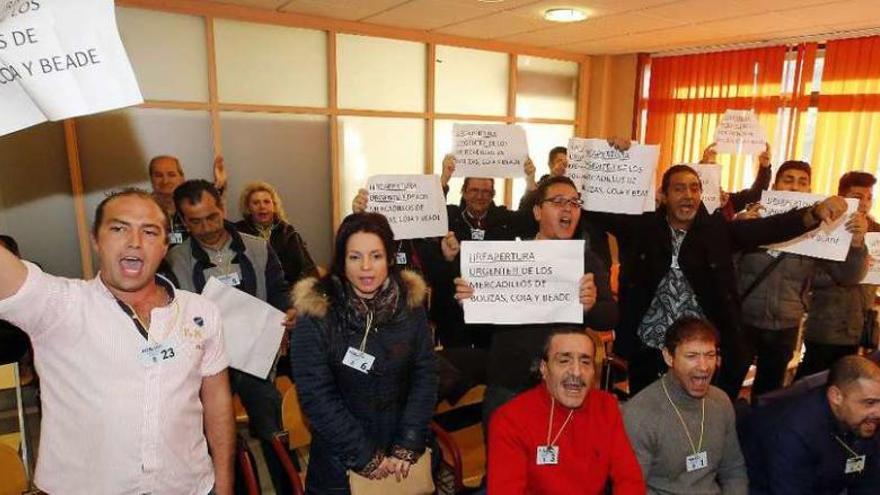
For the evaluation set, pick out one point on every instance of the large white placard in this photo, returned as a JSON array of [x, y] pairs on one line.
[[611, 180], [252, 329], [523, 281], [710, 177], [829, 241], [489, 150], [413, 204], [61, 59], [872, 241], [739, 132]]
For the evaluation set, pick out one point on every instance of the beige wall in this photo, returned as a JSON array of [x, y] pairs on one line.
[[612, 89]]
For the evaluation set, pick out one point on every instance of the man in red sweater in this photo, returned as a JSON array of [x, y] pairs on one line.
[[562, 436]]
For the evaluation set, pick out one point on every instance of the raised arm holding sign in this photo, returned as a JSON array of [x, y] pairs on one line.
[[830, 241]]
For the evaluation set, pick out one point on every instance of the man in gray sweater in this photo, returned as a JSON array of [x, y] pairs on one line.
[[683, 429]]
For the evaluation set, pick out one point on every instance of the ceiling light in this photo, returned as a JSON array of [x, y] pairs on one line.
[[565, 15]]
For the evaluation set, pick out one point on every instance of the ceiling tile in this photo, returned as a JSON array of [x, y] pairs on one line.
[[594, 28], [695, 11], [341, 9], [427, 14], [260, 4], [772, 5], [494, 26], [847, 12]]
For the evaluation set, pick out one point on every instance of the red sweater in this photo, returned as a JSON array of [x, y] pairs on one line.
[[593, 448]]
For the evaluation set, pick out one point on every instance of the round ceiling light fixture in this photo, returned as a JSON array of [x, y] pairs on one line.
[[565, 15]]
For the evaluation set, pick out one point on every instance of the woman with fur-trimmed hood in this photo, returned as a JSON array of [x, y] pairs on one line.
[[363, 361]]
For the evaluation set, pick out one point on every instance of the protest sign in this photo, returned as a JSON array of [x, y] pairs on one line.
[[489, 150], [413, 204], [739, 132], [710, 176], [523, 281], [872, 241], [61, 59], [611, 180], [828, 241]]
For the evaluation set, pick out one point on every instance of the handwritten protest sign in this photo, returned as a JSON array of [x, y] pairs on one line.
[[413, 204], [61, 59], [710, 176], [523, 281], [872, 241], [489, 150], [739, 132], [611, 180], [829, 241]]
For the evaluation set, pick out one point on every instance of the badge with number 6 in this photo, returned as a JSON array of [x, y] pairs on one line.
[[358, 360]]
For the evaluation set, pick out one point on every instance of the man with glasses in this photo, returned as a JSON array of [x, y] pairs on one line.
[[515, 348]]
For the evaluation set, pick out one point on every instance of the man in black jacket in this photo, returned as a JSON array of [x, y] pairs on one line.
[[678, 261]]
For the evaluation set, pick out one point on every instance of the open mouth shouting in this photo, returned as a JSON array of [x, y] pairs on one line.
[[131, 266]]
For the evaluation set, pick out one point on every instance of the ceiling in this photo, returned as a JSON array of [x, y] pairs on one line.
[[613, 26]]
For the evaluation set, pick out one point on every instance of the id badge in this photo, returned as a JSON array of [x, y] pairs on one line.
[[230, 279], [401, 258], [547, 455], [855, 465], [175, 238], [156, 353], [478, 234], [774, 253], [698, 461], [358, 360]]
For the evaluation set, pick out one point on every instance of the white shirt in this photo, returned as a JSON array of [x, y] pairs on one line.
[[112, 424]]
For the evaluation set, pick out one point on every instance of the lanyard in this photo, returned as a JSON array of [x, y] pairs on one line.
[[844, 445], [139, 325], [369, 318], [465, 215], [550, 426], [699, 447]]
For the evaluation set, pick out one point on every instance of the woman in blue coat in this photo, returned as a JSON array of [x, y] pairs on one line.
[[363, 360]]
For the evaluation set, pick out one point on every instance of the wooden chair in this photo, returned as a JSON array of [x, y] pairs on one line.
[[13, 478], [246, 468], [9, 380], [463, 451], [295, 437]]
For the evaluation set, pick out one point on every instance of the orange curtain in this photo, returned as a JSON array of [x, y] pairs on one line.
[[688, 94], [847, 133]]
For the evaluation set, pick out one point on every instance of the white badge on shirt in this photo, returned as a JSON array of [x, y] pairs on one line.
[[478, 234], [548, 455], [698, 461], [358, 360], [175, 238], [401, 258], [855, 464], [157, 353], [230, 279]]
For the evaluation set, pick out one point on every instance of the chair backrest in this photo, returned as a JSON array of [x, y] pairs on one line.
[[294, 420], [8, 376], [13, 479]]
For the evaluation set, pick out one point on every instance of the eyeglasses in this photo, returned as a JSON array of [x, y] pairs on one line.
[[561, 201]]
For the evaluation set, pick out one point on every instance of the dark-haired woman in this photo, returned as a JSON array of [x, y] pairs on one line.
[[363, 361]]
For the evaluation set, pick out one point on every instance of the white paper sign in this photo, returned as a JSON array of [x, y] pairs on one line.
[[61, 59], [739, 132], [710, 176], [829, 241], [523, 281], [413, 204], [489, 150], [872, 241], [611, 180], [252, 329]]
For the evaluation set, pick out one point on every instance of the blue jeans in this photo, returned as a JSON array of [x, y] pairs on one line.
[[262, 402]]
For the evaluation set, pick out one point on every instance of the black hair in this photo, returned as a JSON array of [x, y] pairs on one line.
[[565, 330], [192, 191], [555, 151], [129, 191], [850, 369], [793, 165], [10, 244], [546, 184], [855, 179], [676, 169], [371, 223], [689, 328]]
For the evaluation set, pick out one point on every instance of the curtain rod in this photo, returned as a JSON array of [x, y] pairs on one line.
[[792, 40]]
